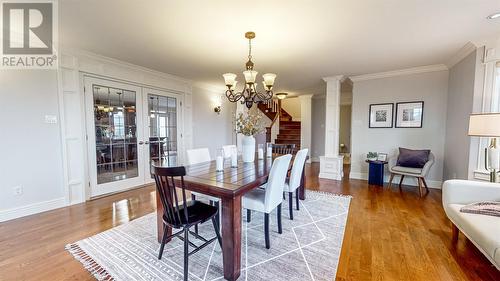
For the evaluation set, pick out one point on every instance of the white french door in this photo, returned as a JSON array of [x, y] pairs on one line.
[[161, 129], [128, 129]]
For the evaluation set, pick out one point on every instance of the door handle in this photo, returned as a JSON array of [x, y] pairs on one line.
[[146, 142], [141, 142]]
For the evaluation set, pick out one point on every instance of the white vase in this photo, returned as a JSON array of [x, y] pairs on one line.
[[248, 148]]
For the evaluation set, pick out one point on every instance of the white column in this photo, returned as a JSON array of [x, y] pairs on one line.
[[305, 122], [331, 164]]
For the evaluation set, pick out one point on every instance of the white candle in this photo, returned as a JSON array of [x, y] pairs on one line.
[[261, 153], [234, 159], [269, 151], [219, 163]]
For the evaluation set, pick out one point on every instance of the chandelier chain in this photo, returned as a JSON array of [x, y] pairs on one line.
[[249, 49]]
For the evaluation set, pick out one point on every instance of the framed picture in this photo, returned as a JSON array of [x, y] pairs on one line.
[[381, 115], [382, 157], [409, 114]]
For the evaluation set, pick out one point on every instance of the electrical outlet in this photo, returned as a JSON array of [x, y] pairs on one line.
[[18, 190]]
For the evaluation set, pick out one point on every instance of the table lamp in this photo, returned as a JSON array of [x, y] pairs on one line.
[[488, 125]]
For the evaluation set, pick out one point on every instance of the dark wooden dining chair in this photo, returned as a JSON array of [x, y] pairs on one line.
[[182, 214], [283, 148]]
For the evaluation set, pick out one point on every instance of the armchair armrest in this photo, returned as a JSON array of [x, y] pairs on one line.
[[427, 166], [466, 192]]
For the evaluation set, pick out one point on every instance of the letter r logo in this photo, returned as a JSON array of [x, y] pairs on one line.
[[27, 28]]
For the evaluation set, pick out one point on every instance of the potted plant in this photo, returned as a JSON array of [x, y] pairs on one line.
[[371, 156], [248, 125]]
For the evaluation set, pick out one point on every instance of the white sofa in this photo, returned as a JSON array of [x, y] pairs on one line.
[[482, 230]]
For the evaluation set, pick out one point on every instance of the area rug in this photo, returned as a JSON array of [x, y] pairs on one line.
[[308, 248]]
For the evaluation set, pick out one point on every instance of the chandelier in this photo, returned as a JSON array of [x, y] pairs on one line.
[[249, 95]]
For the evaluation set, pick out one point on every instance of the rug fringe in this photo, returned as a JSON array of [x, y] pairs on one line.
[[329, 194], [89, 263]]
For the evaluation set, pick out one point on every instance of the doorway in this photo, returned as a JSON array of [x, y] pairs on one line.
[[128, 129]]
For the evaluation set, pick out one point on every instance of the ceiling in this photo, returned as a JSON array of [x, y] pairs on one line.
[[301, 41]]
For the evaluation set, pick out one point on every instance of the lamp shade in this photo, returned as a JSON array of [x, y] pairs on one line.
[[229, 79], [269, 79], [484, 125], [250, 75]]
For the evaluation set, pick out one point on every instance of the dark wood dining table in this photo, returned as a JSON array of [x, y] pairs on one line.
[[229, 185]]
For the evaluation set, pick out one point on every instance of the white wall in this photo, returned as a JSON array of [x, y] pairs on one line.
[[292, 106], [30, 148], [460, 97], [210, 129], [432, 88], [318, 127]]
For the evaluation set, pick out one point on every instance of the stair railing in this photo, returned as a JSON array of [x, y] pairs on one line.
[[273, 130]]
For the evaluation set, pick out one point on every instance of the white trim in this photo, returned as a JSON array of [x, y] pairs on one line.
[[334, 78], [133, 67], [400, 72], [364, 176], [31, 209], [468, 48]]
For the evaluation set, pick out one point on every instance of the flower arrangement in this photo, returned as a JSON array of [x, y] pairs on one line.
[[249, 124]]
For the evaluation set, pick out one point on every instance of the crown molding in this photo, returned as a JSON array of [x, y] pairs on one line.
[[468, 48], [333, 78], [401, 72], [210, 87], [84, 53]]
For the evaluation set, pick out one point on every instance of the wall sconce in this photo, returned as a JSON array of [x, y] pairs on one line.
[[217, 109]]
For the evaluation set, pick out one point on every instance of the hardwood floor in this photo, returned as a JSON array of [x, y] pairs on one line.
[[390, 235]]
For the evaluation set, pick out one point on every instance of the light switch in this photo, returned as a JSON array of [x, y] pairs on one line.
[[50, 119]]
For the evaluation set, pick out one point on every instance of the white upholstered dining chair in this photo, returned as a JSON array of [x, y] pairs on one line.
[[295, 178], [195, 156], [227, 150], [265, 200]]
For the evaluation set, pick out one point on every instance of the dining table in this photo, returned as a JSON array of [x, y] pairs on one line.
[[229, 185]]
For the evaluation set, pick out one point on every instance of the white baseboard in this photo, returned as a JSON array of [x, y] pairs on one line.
[[31, 209], [408, 180]]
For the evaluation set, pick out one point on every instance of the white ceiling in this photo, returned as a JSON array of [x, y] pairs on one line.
[[299, 40]]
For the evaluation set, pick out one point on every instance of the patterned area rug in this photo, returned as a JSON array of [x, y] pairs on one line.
[[308, 249]]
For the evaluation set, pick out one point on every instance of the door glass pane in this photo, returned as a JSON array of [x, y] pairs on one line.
[[115, 131], [162, 129]]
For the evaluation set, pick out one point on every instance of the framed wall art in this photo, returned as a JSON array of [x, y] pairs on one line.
[[409, 114], [381, 115]]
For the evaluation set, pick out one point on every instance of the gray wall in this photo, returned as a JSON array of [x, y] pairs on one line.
[[210, 129], [30, 148], [345, 126], [318, 127], [460, 97], [432, 88]]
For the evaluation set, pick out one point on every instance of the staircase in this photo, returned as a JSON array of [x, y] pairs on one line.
[[289, 131]]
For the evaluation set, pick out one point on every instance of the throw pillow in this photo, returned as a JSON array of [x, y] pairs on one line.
[[413, 158]]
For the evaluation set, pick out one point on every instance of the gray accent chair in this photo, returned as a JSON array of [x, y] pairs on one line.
[[419, 173]]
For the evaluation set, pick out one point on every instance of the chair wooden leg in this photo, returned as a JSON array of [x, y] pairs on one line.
[[390, 180], [249, 215], [425, 184], [280, 229], [186, 253], [419, 186], [163, 241], [454, 232], [266, 230], [290, 204], [401, 181], [297, 198], [217, 232]]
